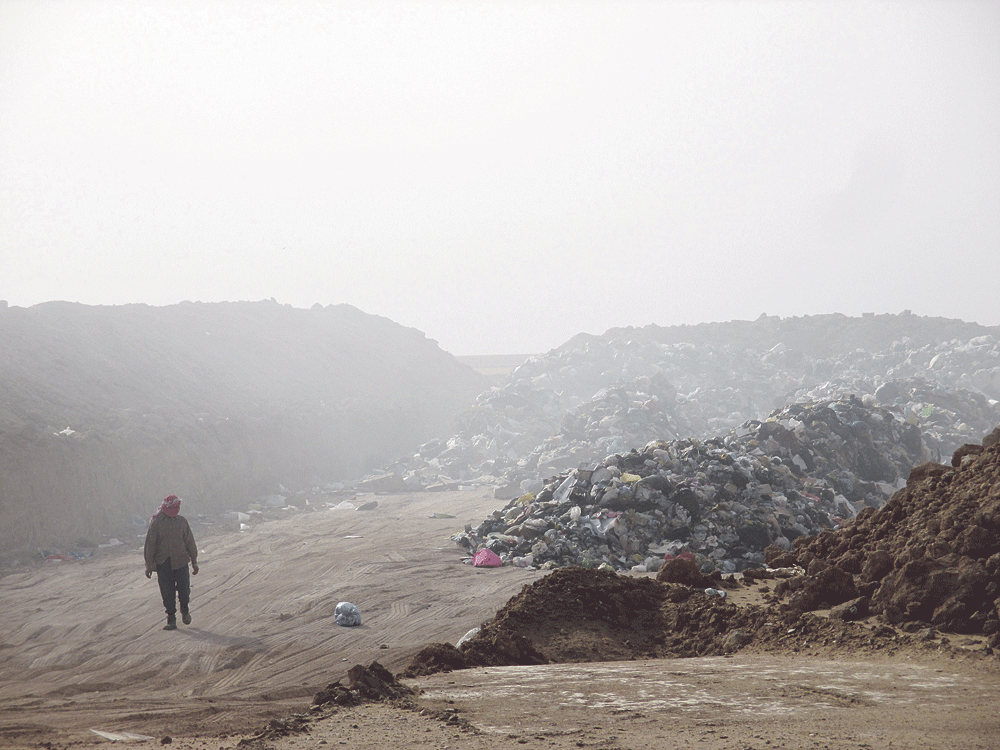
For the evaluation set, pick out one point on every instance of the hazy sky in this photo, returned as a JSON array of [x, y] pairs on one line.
[[504, 175]]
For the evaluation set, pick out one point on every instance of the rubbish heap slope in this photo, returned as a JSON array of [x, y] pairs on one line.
[[598, 395], [808, 467]]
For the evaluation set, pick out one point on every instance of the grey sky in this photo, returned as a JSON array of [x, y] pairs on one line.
[[503, 175]]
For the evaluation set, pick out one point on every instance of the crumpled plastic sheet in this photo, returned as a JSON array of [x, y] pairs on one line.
[[347, 615]]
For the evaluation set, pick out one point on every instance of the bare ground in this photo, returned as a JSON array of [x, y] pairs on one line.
[[81, 648]]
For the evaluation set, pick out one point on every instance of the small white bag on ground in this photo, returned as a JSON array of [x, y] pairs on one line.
[[347, 615]]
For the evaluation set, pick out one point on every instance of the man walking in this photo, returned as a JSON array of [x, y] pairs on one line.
[[170, 546]]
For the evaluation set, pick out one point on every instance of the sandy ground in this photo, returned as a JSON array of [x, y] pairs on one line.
[[81, 648]]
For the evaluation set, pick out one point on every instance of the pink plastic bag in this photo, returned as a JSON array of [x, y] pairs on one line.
[[486, 559]]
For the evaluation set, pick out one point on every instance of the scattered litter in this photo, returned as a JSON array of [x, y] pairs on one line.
[[66, 556], [274, 501], [346, 505]]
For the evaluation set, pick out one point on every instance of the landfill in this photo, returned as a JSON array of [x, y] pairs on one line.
[[925, 563], [626, 449], [807, 468], [595, 396], [630, 448]]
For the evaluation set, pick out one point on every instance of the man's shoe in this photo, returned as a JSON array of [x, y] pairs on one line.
[[186, 618], [171, 623]]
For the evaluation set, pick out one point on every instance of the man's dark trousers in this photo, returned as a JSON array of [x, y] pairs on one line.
[[171, 581]]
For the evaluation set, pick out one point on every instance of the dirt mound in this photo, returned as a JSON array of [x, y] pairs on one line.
[[684, 570], [365, 684], [105, 410], [929, 557], [580, 615], [824, 586], [371, 683]]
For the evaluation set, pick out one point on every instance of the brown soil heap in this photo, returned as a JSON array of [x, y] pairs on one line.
[[371, 683], [580, 615], [929, 557], [684, 569]]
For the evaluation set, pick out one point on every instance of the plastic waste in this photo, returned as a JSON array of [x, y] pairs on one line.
[[716, 592], [565, 488], [486, 558], [347, 615], [471, 634], [121, 736]]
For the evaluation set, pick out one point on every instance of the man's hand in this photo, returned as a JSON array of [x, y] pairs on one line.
[[194, 569], [149, 574]]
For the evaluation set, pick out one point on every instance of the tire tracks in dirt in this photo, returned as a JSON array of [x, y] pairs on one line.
[[83, 645]]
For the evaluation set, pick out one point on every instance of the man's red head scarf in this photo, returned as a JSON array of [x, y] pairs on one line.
[[170, 506]]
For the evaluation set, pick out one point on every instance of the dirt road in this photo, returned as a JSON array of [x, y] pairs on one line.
[[81, 648]]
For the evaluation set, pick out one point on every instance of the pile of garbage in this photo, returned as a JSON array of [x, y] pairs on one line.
[[623, 449], [599, 395], [808, 467], [947, 416], [930, 558]]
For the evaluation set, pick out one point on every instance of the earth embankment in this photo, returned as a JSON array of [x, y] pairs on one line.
[[105, 410]]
